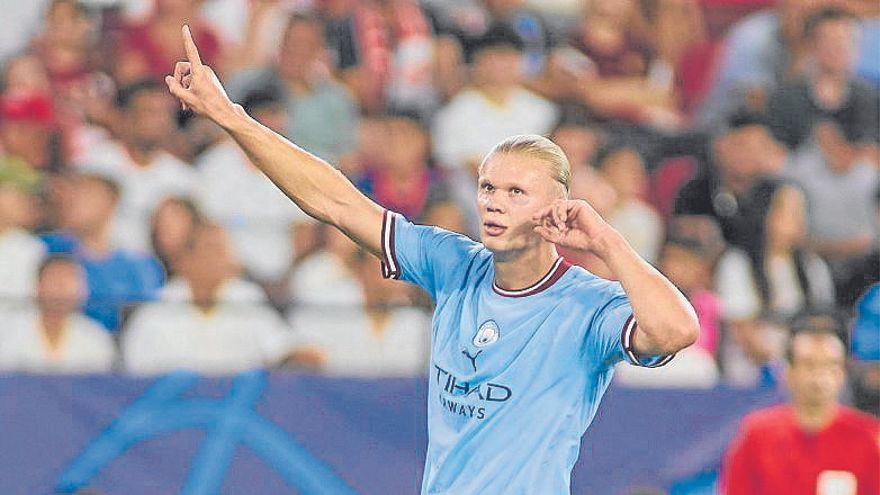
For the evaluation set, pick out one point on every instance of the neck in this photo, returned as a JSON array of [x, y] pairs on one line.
[[815, 418], [524, 269], [778, 249], [141, 155], [204, 295], [495, 93], [53, 324]]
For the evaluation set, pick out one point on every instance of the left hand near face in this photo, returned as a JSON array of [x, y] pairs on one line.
[[572, 224]]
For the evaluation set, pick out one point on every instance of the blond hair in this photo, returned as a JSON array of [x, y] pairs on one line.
[[541, 148]]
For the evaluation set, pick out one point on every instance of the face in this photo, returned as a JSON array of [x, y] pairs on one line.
[[739, 151], [172, 224], [834, 46], [498, 66], [272, 116], [786, 219], [67, 25], [512, 188], [26, 74], [625, 173], [90, 205], [683, 268], [17, 208], [407, 147], [61, 288], [578, 143], [210, 260], [149, 119], [816, 375], [302, 47]]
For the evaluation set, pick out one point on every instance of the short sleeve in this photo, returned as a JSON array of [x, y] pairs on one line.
[[429, 257], [613, 334]]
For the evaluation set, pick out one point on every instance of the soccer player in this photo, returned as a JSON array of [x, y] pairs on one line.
[[523, 345]]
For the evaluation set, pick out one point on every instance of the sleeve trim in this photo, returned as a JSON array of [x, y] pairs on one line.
[[390, 266], [628, 339]]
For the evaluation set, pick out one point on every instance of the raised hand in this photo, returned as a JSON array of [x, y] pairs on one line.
[[197, 86], [572, 224]]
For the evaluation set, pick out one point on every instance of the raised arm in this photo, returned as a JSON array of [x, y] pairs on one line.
[[315, 186], [666, 320]]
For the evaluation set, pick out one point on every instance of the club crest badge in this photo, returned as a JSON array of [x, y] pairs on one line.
[[487, 334]]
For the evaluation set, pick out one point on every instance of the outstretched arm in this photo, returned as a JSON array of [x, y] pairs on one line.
[[667, 322], [315, 186]]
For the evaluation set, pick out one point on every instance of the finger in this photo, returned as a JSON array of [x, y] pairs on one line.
[[192, 52], [539, 216], [179, 91], [181, 70], [547, 234]]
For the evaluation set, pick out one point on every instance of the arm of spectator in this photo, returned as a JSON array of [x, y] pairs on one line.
[[317, 188]]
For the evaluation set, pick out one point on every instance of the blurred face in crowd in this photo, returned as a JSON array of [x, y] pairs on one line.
[[834, 46], [619, 10], [148, 119], [301, 50], [407, 147], [446, 215], [61, 288], [512, 188], [579, 143], [816, 374], [178, 8], [684, 268], [26, 74], [18, 209], [68, 25], [272, 116], [741, 153], [786, 224], [503, 8], [172, 226], [208, 260], [498, 66], [89, 205], [624, 171]]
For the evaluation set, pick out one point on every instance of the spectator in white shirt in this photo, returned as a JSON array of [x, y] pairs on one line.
[[54, 336], [496, 107], [382, 336], [20, 251], [208, 320], [233, 192], [145, 172]]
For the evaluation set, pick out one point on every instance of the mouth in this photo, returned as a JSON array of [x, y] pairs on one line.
[[493, 229]]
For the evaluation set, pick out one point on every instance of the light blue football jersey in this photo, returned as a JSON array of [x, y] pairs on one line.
[[515, 376]]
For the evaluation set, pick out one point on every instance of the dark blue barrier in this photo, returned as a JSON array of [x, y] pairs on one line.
[[265, 434]]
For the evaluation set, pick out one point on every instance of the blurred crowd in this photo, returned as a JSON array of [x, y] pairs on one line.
[[734, 144]]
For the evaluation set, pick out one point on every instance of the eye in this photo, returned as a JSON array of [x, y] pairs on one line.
[[487, 187], [516, 191]]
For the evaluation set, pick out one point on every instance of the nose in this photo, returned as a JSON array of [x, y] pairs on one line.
[[489, 201]]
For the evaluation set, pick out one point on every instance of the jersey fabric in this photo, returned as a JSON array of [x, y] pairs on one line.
[[773, 455], [515, 376]]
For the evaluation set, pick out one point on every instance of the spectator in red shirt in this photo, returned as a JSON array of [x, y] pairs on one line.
[[814, 445]]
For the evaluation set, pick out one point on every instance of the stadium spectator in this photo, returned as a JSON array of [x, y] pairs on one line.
[[52, 336], [67, 46], [688, 258], [138, 163], [387, 55], [829, 90], [233, 192], [403, 180], [170, 227], [828, 447], [494, 107], [742, 161], [28, 131], [769, 282], [149, 46], [762, 51], [379, 337], [328, 276], [321, 113], [116, 278], [25, 74], [623, 169], [20, 251], [841, 189], [207, 320]]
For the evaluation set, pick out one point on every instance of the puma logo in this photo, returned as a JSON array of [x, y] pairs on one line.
[[473, 358]]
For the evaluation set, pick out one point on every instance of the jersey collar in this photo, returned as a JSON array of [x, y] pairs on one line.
[[556, 271]]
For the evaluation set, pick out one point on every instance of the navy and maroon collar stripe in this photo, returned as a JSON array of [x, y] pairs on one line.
[[556, 272]]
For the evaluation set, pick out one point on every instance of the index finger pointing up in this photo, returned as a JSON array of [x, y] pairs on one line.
[[192, 53]]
